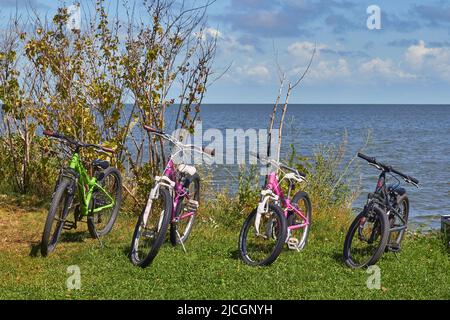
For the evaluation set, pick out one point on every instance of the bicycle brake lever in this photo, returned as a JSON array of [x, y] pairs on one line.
[[375, 165], [413, 183]]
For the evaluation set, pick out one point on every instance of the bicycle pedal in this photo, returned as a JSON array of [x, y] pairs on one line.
[[69, 225], [260, 235], [394, 248], [293, 244], [192, 205], [148, 234]]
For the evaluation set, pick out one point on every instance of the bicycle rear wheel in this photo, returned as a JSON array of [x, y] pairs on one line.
[[261, 244], [100, 223], [57, 214], [303, 203], [151, 229], [396, 237], [186, 212], [366, 238]]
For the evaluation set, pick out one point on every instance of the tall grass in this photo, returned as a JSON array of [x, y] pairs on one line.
[[226, 208], [328, 187]]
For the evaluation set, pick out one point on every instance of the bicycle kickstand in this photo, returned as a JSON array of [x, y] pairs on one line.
[[99, 240], [181, 241]]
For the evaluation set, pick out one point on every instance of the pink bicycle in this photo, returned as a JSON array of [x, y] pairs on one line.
[[277, 220], [173, 200]]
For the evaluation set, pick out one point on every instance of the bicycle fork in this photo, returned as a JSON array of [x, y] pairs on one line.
[[263, 207]]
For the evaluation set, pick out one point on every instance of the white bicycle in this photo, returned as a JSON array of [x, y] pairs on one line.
[[173, 200]]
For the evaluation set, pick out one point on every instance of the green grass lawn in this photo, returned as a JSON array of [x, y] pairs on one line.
[[209, 270]]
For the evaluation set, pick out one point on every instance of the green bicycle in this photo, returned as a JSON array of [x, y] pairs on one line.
[[99, 196]]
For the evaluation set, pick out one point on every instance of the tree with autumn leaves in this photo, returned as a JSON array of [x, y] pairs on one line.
[[101, 83]]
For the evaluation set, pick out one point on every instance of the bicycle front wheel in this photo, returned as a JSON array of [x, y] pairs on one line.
[[186, 212], [57, 214], [262, 238], [105, 203], [151, 229], [366, 238]]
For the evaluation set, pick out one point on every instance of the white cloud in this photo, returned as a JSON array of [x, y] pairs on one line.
[[415, 54], [208, 33], [213, 33], [324, 70], [339, 69], [385, 69], [230, 44], [260, 72], [304, 49], [428, 61], [417, 62], [226, 43]]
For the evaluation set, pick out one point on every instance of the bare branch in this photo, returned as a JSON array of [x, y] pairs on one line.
[[307, 68]]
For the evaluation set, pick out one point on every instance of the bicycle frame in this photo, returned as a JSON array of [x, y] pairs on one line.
[[381, 189], [86, 186], [273, 185], [169, 180], [179, 193]]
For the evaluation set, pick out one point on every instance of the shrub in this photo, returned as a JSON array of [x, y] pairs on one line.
[[39, 177], [328, 184]]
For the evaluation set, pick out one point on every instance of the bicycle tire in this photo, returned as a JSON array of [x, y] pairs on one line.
[[134, 255], [94, 232], [384, 234], [281, 220], [195, 179], [301, 195], [47, 245]]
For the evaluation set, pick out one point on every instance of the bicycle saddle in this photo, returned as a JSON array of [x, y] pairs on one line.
[[103, 164], [398, 190], [184, 168]]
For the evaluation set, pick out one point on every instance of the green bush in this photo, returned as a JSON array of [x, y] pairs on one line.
[[39, 177], [328, 180], [249, 187], [328, 185]]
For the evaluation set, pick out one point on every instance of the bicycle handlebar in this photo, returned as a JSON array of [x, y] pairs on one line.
[[278, 164], [367, 158], [77, 143], [153, 130], [292, 170], [211, 152], [409, 178], [208, 151], [387, 168]]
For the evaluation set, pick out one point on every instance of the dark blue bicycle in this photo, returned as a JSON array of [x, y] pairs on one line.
[[381, 226]]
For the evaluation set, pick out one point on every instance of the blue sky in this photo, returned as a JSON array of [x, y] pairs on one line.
[[407, 61]]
